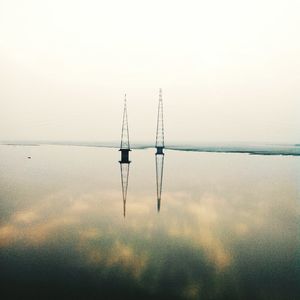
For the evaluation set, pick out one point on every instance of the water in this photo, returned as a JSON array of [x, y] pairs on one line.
[[228, 226]]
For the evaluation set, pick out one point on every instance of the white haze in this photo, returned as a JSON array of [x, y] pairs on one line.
[[229, 70]]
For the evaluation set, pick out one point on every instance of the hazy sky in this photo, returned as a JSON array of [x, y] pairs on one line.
[[229, 70]]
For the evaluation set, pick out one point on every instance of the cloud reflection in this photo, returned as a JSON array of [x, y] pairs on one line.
[[203, 230]]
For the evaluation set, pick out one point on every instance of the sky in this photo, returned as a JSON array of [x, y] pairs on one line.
[[229, 70]]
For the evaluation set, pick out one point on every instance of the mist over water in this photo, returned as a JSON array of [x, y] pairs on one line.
[[228, 226]]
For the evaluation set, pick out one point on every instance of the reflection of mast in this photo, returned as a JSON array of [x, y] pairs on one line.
[[159, 161], [124, 179], [159, 145], [124, 162]]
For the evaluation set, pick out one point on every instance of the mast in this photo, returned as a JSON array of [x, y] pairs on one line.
[[160, 141], [124, 162], [159, 145], [125, 146]]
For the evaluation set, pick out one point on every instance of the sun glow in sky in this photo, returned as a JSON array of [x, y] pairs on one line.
[[229, 70]]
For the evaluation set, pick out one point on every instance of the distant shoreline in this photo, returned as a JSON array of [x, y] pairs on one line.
[[270, 150], [237, 151]]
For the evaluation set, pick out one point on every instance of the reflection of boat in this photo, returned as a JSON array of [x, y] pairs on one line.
[[124, 162], [159, 145]]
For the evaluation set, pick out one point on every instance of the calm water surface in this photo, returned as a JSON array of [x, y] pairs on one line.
[[228, 226]]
